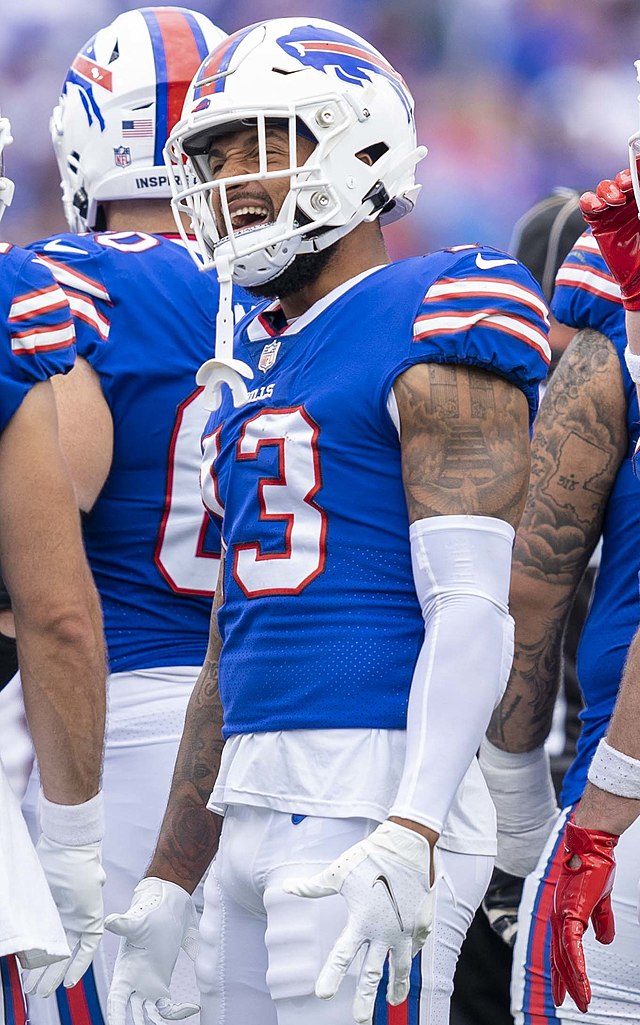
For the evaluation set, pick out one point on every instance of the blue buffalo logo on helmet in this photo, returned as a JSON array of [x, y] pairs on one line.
[[326, 50], [321, 48]]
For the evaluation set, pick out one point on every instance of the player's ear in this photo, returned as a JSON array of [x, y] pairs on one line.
[[365, 157]]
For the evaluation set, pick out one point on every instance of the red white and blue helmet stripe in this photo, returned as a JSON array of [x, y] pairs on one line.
[[215, 65], [178, 45]]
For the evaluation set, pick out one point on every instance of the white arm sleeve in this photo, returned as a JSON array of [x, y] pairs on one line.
[[461, 569]]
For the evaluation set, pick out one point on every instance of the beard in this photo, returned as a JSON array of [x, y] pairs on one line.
[[302, 272]]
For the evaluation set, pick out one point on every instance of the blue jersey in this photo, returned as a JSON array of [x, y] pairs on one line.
[[145, 321], [321, 625], [586, 296], [37, 328]]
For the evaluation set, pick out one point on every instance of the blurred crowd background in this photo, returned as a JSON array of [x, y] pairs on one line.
[[513, 97]]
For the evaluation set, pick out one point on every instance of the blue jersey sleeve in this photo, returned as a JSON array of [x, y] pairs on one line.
[[586, 295], [487, 311], [37, 327], [76, 264]]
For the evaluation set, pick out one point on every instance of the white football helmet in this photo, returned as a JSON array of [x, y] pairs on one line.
[[6, 185], [316, 79], [122, 95]]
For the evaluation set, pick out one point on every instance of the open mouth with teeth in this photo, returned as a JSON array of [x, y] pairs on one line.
[[251, 215]]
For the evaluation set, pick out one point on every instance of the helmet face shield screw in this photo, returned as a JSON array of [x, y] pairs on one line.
[[320, 201], [325, 117]]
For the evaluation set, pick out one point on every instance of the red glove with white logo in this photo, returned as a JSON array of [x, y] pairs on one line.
[[581, 893], [612, 213]]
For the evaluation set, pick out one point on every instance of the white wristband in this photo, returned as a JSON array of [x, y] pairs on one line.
[[613, 770], [72, 825], [522, 791], [633, 366]]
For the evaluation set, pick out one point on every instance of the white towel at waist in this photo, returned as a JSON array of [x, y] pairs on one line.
[[29, 920]]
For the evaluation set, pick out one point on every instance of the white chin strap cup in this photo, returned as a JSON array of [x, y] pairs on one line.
[[216, 372]]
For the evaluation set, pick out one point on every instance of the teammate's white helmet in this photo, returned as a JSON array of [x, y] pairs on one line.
[[122, 95], [322, 81], [6, 185]]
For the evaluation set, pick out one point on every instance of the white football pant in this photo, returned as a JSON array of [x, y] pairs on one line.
[[261, 949]]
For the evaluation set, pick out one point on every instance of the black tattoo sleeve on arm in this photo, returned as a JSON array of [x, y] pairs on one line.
[[580, 440]]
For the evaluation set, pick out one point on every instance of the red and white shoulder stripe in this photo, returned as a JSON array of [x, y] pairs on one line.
[[66, 276], [31, 304], [39, 321], [490, 303], [84, 308], [481, 288], [43, 339], [81, 292], [585, 268]]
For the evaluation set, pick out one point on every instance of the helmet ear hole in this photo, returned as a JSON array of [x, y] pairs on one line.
[[373, 153]]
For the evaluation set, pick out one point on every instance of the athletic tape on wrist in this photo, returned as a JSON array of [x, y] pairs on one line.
[[72, 825], [633, 364], [614, 771]]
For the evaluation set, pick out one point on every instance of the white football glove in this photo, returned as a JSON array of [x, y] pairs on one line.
[[160, 921], [75, 877], [385, 882]]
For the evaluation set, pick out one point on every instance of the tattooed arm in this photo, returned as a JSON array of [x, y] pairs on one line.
[[190, 833], [465, 465], [465, 443], [580, 439]]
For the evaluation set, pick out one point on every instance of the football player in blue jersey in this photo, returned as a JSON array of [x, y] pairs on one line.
[[60, 643], [586, 891], [367, 458], [130, 422], [582, 487]]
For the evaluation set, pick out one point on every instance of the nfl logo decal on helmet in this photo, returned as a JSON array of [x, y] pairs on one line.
[[122, 156]]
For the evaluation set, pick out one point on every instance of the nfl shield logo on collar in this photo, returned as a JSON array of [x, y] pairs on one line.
[[268, 356], [122, 156]]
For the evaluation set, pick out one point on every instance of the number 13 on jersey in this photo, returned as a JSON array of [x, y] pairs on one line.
[[284, 503]]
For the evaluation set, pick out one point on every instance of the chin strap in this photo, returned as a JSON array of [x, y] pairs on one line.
[[224, 368]]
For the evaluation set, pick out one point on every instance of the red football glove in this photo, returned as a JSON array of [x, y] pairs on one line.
[[612, 213], [581, 894]]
